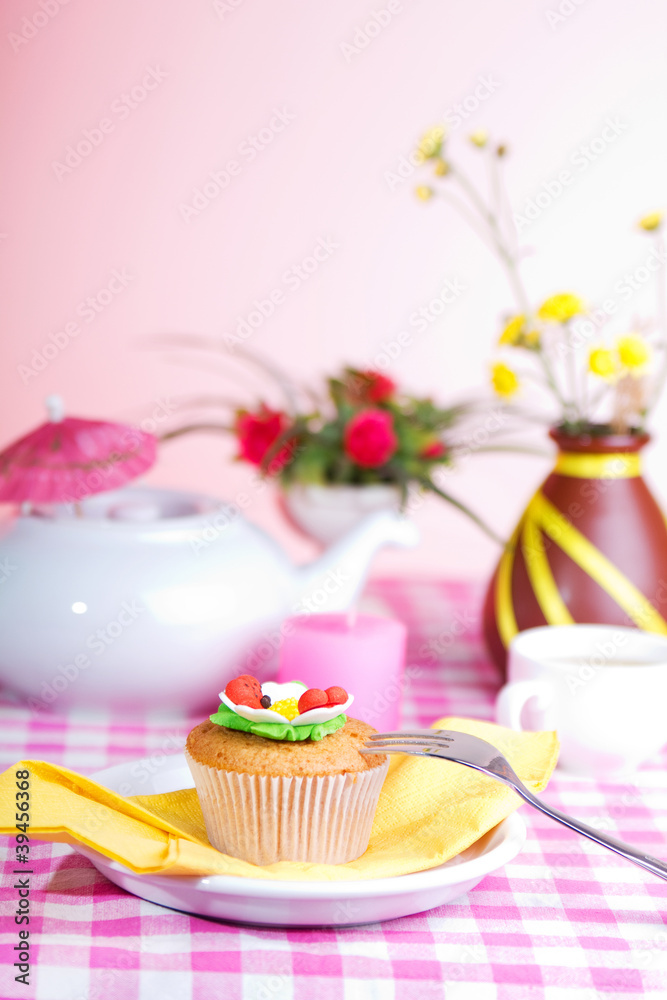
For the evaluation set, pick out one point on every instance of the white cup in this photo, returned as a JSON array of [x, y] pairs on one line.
[[603, 688]]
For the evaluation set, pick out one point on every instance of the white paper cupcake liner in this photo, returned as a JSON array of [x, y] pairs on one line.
[[324, 819]]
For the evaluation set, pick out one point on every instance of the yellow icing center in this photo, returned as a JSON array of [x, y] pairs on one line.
[[289, 707]]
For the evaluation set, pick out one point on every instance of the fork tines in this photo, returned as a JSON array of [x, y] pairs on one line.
[[429, 739]]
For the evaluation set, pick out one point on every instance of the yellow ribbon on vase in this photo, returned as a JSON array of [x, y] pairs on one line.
[[542, 519], [614, 465]]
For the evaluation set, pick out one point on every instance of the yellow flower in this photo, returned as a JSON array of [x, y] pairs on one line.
[[442, 168], [516, 334], [513, 332], [651, 221], [504, 380], [633, 353], [479, 137], [423, 192], [604, 363], [560, 308], [430, 144]]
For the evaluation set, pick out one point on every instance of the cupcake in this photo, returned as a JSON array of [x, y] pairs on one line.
[[279, 774]]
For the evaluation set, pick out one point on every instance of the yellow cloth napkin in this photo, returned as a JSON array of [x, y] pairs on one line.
[[429, 811]]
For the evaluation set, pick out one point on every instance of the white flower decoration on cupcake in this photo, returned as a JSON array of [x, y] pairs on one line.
[[278, 693]]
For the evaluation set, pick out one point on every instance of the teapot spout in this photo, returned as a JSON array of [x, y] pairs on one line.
[[334, 581]]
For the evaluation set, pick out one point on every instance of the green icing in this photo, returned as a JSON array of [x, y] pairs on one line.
[[277, 730]]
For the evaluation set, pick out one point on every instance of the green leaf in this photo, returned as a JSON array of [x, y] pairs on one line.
[[228, 719], [310, 466]]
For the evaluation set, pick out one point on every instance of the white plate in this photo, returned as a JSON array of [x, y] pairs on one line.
[[297, 904]]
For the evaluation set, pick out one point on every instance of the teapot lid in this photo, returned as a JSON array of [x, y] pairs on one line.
[[146, 509]]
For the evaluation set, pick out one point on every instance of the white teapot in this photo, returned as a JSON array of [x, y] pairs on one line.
[[153, 599]]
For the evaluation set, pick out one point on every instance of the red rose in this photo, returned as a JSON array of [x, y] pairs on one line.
[[363, 387], [380, 387], [436, 449], [257, 432], [370, 439]]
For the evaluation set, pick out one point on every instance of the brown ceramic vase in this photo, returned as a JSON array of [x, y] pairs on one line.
[[591, 547]]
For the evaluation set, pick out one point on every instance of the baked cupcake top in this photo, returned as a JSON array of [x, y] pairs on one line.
[[282, 730], [246, 753]]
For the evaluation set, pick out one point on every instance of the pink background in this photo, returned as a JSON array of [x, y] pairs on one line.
[[220, 71]]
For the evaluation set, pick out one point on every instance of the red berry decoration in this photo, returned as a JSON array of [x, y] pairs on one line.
[[312, 698], [336, 695], [245, 690]]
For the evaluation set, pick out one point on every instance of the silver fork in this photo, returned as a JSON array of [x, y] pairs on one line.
[[462, 748]]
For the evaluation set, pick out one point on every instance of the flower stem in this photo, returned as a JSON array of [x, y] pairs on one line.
[[428, 484], [508, 259], [192, 428], [661, 311], [514, 449], [571, 369], [551, 379]]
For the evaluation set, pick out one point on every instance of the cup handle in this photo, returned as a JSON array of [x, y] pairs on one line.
[[514, 696]]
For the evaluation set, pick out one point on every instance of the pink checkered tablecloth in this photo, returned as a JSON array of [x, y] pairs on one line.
[[566, 920]]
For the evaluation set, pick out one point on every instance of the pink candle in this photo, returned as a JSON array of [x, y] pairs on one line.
[[365, 657]]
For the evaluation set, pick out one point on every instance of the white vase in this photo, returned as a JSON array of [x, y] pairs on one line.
[[326, 513]]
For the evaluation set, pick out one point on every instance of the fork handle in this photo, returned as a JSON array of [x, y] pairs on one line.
[[654, 865]]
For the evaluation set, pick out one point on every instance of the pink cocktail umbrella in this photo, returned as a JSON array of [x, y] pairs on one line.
[[68, 459]]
